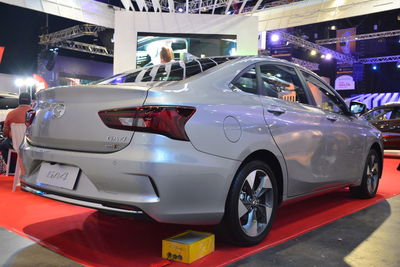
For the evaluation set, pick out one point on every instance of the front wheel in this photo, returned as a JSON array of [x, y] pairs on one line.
[[251, 204], [370, 180]]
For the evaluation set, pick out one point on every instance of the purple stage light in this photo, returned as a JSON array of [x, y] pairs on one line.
[[328, 56], [275, 37]]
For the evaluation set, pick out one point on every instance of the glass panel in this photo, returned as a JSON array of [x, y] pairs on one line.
[[378, 115], [247, 82], [282, 82], [323, 96]]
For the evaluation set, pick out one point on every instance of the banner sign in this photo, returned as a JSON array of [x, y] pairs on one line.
[[344, 82], [1, 52], [346, 47]]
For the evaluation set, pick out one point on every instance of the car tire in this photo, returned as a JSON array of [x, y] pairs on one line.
[[251, 204], [370, 180]]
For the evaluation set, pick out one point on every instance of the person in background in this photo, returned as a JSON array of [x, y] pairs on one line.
[[166, 55], [15, 116]]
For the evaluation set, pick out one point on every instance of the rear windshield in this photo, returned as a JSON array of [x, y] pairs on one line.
[[173, 71]]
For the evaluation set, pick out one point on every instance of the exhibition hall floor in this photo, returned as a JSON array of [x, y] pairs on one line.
[[93, 239]]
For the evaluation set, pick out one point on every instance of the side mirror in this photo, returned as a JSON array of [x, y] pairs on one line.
[[357, 107]]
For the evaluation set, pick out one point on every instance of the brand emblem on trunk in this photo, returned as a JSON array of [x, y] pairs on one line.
[[58, 111]]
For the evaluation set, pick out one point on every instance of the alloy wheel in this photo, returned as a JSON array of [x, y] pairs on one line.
[[256, 202], [372, 173]]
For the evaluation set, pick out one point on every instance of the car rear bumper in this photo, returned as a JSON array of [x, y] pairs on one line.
[[168, 180]]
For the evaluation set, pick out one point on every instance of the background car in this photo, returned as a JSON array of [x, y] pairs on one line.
[[8, 101], [387, 119], [214, 140]]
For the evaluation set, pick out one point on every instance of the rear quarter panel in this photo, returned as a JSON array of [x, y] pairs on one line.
[[221, 113]]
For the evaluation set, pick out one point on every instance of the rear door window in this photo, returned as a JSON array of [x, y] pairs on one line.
[[282, 82]]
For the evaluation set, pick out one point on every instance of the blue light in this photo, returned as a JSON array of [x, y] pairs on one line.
[[275, 37], [374, 67]]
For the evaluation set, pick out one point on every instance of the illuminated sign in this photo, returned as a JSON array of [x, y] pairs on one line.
[[1, 52], [344, 82]]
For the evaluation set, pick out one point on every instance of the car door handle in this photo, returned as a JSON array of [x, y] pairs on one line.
[[275, 109], [332, 118]]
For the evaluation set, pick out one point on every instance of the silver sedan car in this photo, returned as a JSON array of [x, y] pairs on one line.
[[214, 140]]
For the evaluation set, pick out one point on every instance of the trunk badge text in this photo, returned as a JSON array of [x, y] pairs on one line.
[[58, 111]]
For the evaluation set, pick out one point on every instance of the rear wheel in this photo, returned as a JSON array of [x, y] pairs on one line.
[[251, 204], [370, 180]]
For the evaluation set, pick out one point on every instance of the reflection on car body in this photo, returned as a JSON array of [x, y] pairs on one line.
[[202, 142]]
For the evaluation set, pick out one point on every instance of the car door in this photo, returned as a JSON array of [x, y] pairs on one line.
[[344, 133], [296, 128], [387, 120]]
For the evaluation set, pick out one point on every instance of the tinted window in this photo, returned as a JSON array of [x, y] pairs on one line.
[[379, 114], [247, 81], [8, 102], [192, 68], [395, 114], [282, 82], [323, 95]]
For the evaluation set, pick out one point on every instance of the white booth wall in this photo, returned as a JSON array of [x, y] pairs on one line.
[[7, 83], [129, 23]]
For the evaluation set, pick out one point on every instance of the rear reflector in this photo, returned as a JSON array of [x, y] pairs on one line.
[[29, 117], [165, 120]]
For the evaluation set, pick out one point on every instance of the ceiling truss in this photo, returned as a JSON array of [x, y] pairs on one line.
[[377, 60], [359, 37], [84, 47], [63, 39], [306, 64], [197, 6], [312, 46], [70, 33]]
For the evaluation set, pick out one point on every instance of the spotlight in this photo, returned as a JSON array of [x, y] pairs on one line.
[[29, 82], [322, 56], [398, 64], [180, 10], [313, 52], [333, 28], [275, 37], [328, 56], [374, 67], [19, 82]]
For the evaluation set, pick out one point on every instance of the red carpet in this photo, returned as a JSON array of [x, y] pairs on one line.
[[100, 240]]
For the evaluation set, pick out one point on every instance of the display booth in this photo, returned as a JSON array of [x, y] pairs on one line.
[[132, 27]]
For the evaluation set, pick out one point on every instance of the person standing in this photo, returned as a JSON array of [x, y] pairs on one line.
[[15, 116]]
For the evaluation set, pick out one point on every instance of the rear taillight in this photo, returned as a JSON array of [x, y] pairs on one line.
[[166, 120], [29, 117]]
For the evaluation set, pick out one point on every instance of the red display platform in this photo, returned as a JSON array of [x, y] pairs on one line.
[[94, 239]]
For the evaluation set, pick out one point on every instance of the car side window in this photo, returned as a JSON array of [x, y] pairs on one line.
[[323, 95], [379, 115], [282, 82], [396, 114], [247, 81]]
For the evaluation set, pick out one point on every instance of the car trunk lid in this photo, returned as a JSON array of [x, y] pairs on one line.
[[67, 117]]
